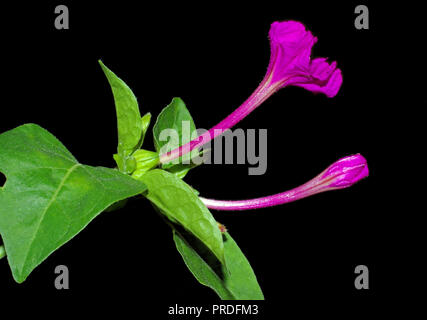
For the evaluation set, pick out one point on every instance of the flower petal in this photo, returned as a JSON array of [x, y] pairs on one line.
[[291, 47], [290, 62]]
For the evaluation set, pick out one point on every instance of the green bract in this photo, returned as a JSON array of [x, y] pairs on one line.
[[145, 161], [49, 197]]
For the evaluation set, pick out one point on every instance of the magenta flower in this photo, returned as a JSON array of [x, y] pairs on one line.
[[342, 174], [290, 64]]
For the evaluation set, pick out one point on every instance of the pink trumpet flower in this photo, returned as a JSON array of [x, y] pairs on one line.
[[341, 174], [290, 64]]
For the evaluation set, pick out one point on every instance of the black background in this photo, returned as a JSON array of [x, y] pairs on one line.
[[213, 56]]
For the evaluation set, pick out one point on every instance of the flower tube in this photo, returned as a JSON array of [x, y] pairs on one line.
[[290, 64], [341, 174]]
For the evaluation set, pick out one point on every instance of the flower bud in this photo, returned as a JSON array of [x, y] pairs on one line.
[[345, 172]]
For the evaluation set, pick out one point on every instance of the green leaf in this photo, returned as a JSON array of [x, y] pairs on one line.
[[179, 203], [175, 116], [129, 122], [238, 282], [48, 196], [146, 119]]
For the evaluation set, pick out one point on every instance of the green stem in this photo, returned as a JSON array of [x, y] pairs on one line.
[[2, 252]]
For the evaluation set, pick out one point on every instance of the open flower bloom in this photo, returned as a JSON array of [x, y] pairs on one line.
[[290, 64], [342, 174]]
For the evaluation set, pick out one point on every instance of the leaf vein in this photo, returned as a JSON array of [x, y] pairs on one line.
[[55, 195]]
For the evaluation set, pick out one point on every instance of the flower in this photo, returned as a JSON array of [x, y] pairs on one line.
[[290, 64], [341, 174]]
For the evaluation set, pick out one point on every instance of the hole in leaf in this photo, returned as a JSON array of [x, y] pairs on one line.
[[2, 179]]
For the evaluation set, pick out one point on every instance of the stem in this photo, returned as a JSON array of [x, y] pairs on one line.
[[2, 252], [261, 94]]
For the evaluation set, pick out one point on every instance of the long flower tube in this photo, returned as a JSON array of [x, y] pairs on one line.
[[341, 174], [290, 64]]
